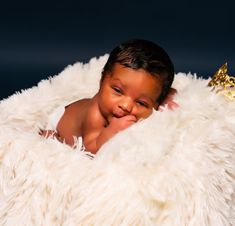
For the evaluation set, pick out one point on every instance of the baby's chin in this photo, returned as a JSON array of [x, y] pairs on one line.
[[109, 118]]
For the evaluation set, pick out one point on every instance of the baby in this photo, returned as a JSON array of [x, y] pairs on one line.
[[136, 79]]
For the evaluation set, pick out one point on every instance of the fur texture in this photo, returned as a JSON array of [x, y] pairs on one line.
[[174, 168]]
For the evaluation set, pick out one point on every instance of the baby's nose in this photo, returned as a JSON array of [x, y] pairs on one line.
[[126, 105]]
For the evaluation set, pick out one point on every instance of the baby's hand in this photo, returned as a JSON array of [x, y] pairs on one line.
[[118, 124]]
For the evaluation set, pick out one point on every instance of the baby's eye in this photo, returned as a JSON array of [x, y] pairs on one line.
[[117, 90], [142, 103]]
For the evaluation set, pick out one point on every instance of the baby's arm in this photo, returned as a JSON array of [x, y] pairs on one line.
[[68, 126], [65, 132], [94, 138]]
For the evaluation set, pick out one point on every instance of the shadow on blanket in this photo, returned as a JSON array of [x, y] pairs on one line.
[[174, 168]]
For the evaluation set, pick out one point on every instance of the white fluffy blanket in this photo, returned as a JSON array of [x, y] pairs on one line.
[[175, 168]]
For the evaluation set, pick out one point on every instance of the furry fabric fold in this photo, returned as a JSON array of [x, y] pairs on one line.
[[174, 168]]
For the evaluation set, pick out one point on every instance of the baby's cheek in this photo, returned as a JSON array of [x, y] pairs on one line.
[[145, 114]]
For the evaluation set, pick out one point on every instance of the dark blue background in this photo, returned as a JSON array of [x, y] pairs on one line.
[[39, 39]]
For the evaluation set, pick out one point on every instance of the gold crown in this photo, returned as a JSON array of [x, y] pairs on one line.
[[223, 83]]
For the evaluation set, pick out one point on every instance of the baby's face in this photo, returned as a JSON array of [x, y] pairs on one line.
[[128, 92]]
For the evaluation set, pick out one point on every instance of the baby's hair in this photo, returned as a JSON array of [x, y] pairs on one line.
[[146, 55]]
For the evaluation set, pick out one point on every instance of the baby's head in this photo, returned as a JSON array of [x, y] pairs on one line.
[[146, 55]]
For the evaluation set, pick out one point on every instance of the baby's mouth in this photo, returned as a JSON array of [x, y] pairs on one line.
[[113, 115], [119, 114]]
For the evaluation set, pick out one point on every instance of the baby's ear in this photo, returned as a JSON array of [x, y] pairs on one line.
[[156, 106], [172, 91], [169, 100]]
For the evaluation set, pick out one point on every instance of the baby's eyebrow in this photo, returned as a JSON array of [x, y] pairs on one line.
[[116, 79], [119, 81]]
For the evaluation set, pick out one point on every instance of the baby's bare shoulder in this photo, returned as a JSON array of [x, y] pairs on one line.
[[77, 106], [76, 110], [71, 122], [94, 118]]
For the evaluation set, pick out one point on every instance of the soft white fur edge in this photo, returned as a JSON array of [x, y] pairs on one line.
[[175, 168]]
